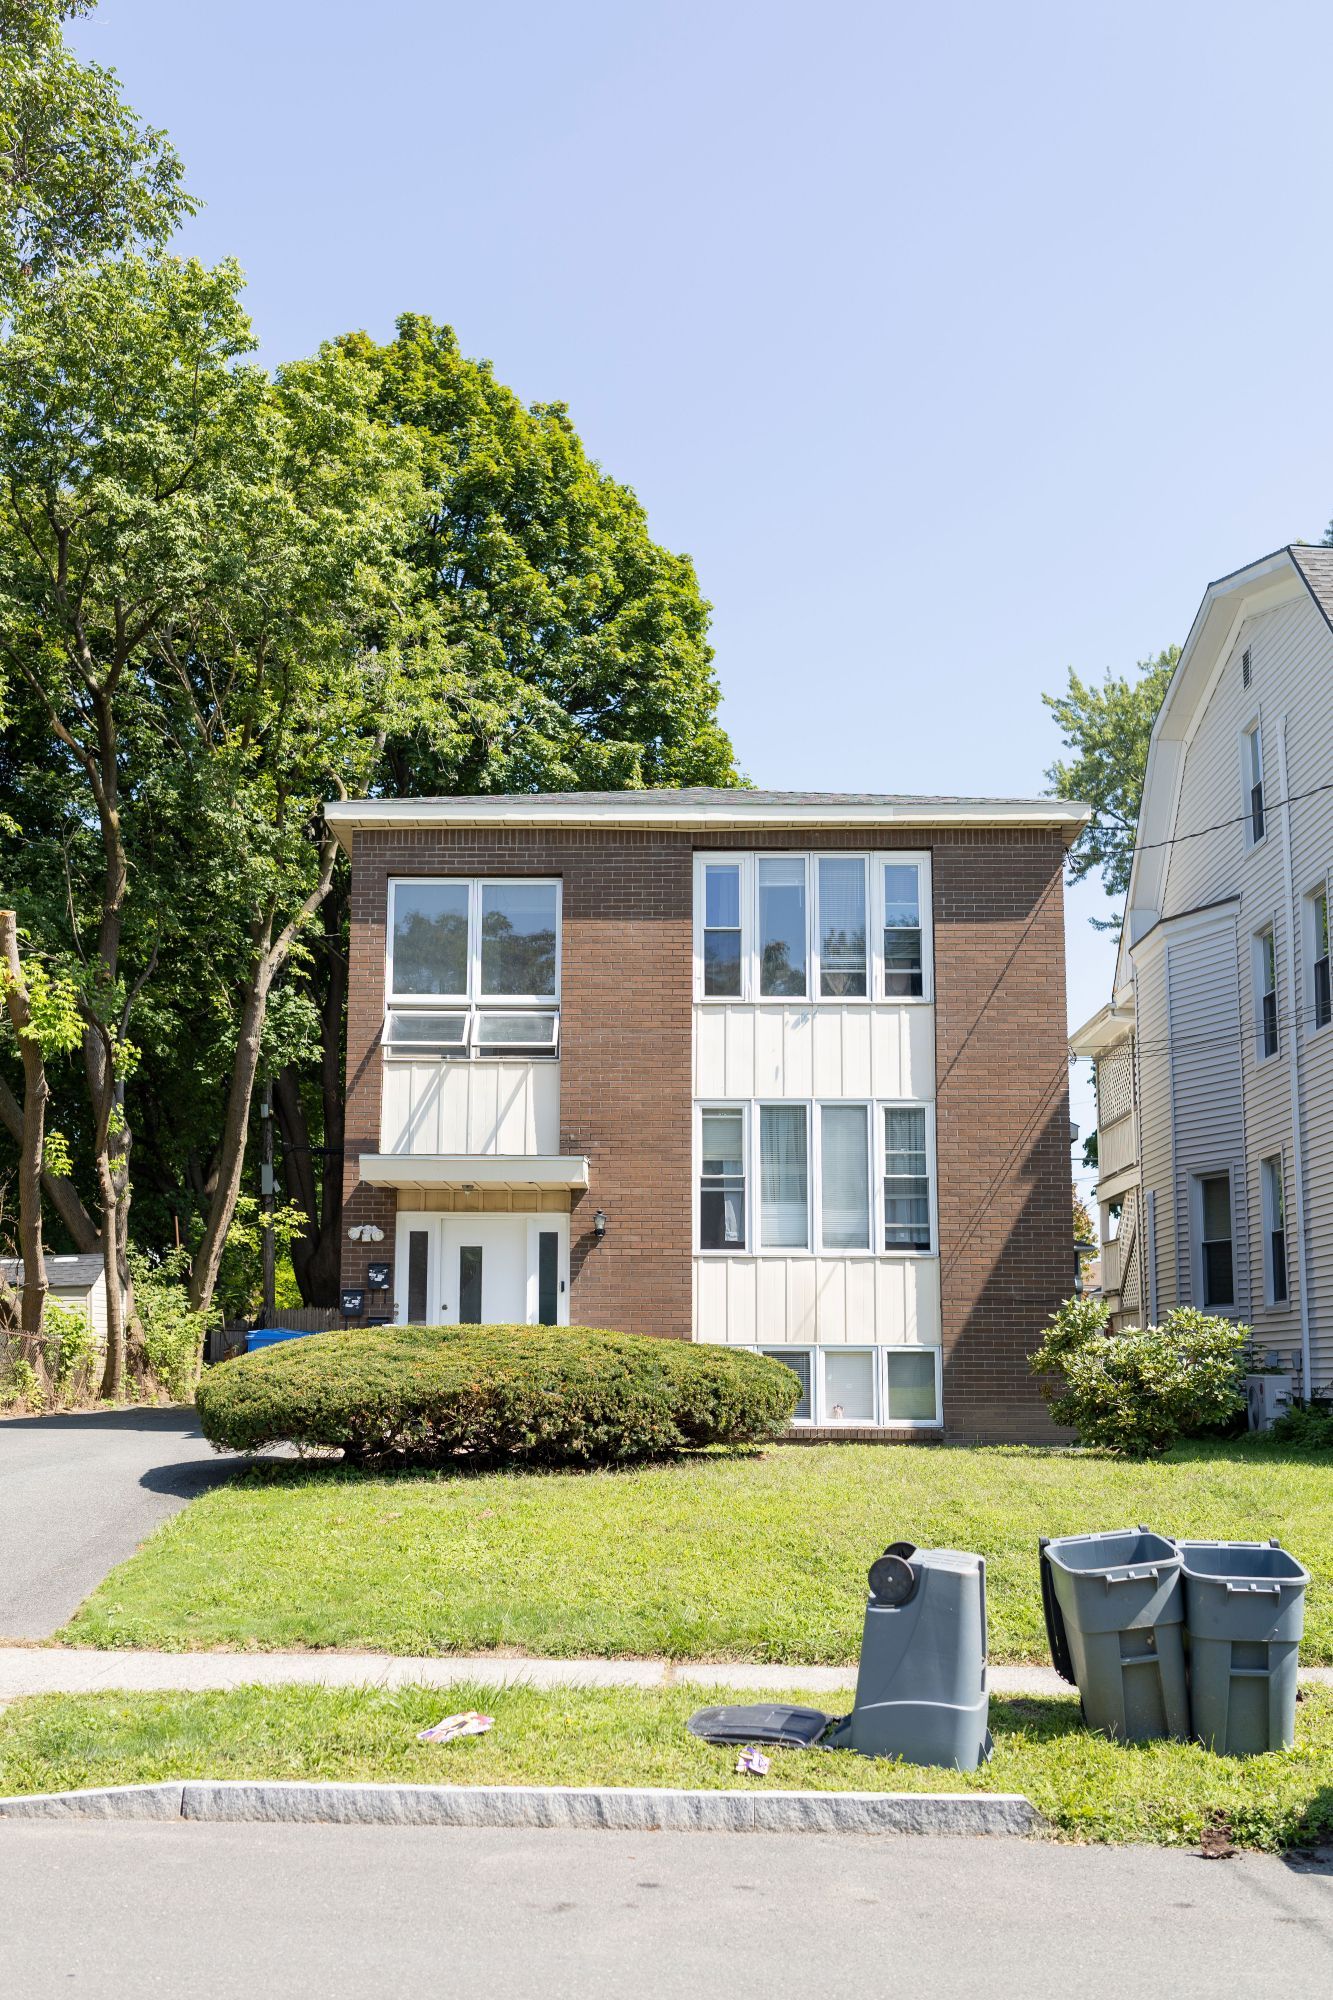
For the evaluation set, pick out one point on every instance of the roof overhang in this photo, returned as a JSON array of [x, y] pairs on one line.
[[662, 810], [1109, 1025], [516, 1172]]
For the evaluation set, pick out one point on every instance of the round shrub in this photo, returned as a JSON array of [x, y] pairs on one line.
[[486, 1395], [1137, 1391]]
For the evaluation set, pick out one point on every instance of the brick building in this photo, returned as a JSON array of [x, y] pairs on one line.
[[785, 1070]]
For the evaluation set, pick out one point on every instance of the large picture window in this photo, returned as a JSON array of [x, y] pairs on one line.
[[471, 942], [819, 927], [799, 1178]]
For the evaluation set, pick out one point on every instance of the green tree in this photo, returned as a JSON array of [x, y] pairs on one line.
[[80, 175], [1107, 729]]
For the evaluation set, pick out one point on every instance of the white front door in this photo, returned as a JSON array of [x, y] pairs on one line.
[[489, 1270]]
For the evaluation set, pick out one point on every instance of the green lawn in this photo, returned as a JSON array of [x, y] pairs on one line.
[[743, 1557], [1088, 1787]]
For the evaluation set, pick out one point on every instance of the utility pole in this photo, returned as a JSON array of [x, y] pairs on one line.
[[267, 1192]]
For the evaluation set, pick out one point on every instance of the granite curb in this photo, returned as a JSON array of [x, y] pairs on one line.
[[628, 1809]]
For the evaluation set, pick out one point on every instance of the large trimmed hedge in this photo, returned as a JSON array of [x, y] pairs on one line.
[[487, 1395]]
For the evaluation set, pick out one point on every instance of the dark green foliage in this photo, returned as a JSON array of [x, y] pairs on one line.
[[1309, 1425], [488, 1395]]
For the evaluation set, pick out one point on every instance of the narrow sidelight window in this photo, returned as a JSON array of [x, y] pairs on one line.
[[903, 978], [429, 947], [548, 1277], [1219, 1282], [418, 1264], [469, 1284], [844, 1177], [842, 927], [1275, 1229], [518, 938], [1254, 782], [906, 1179], [798, 1360], [722, 929], [784, 1181], [1265, 967], [1321, 997], [722, 1181], [782, 929]]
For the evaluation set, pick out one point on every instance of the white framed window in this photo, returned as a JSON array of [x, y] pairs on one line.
[[864, 1386], [1252, 782], [1264, 952], [784, 1176], [722, 1177], [909, 1222], [830, 1178], [1318, 995], [491, 946], [1214, 1232], [820, 927], [1275, 1230]]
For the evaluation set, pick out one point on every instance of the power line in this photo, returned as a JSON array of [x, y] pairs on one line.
[[1237, 819]]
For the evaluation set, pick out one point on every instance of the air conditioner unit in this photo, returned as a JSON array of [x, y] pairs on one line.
[[1267, 1397]]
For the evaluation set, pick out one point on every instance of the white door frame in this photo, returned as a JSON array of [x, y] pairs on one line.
[[434, 1223]]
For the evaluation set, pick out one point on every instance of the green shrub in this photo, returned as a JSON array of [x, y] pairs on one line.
[[486, 1395], [173, 1334], [1137, 1391], [78, 1351], [1306, 1424]]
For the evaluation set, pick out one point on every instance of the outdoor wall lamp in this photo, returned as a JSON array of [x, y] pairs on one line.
[[599, 1224]]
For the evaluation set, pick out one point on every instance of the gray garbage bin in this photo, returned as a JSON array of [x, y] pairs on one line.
[[1114, 1613], [1244, 1614]]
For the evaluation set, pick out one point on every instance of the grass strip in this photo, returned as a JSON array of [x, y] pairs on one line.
[[742, 1556], [1089, 1788]]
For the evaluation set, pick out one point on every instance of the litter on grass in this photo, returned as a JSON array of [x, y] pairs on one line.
[[472, 1723], [753, 1761]]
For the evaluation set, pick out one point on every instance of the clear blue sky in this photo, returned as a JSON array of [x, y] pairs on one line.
[[956, 344]]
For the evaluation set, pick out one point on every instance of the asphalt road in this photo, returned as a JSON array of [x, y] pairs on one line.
[[286, 1911], [78, 1493]]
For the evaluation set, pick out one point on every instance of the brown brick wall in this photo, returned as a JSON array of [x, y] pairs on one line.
[[625, 1100]]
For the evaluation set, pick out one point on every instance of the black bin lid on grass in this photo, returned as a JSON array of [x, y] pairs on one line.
[[760, 1722]]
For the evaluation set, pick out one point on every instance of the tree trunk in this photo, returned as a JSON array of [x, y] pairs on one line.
[[61, 1192], [31, 1142], [317, 1252], [235, 1129]]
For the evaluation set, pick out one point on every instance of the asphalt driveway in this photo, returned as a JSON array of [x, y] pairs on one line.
[[79, 1492]]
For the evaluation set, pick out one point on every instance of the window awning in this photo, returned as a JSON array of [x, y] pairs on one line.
[[514, 1171]]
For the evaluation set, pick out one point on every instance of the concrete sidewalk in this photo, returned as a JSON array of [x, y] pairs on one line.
[[28, 1670]]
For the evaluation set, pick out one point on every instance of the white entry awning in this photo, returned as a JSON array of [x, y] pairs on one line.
[[515, 1171]]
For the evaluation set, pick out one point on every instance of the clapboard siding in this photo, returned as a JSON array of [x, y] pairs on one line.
[[471, 1107], [823, 1051], [831, 1300], [1206, 1089], [1155, 1147]]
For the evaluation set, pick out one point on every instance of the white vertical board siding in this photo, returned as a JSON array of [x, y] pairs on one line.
[[772, 1301], [470, 1107], [1207, 1099], [824, 1051]]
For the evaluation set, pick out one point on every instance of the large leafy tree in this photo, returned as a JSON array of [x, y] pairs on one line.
[[581, 646], [1107, 729]]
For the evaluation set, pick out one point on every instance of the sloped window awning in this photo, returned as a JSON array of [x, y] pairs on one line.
[[515, 1171]]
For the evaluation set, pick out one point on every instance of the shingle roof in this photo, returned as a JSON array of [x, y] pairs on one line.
[[1316, 567], [731, 795], [84, 1268]]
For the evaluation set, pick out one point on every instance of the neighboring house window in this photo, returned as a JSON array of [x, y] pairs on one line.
[[1217, 1269], [465, 943], [784, 1178], [1252, 757], [722, 929], [816, 927], [906, 1179], [722, 1181], [844, 1177], [1275, 1230], [782, 929], [1265, 980], [904, 972], [1321, 997], [842, 926]]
